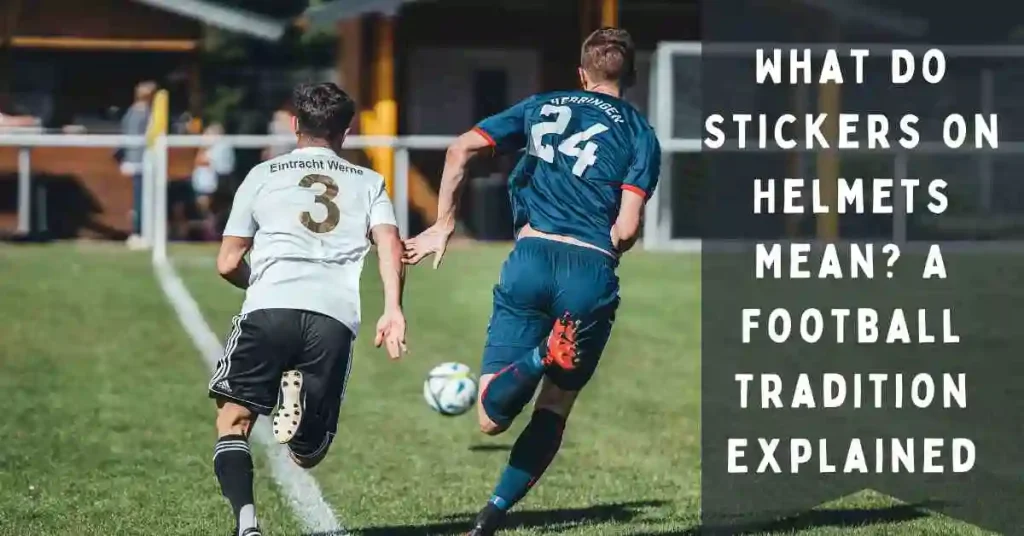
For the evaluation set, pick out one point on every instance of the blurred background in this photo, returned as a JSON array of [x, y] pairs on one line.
[[80, 74], [429, 67]]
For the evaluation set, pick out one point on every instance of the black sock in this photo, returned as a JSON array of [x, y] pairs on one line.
[[233, 465], [530, 457]]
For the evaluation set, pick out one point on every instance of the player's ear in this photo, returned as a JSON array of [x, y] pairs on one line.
[[583, 77], [295, 124]]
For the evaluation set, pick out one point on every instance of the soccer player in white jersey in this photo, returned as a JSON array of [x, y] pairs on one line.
[[307, 217]]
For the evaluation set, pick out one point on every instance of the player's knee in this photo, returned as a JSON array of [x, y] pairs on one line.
[[489, 427], [233, 419]]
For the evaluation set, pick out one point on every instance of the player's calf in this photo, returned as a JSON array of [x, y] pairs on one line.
[[531, 455], [232, 463], [234, 419]]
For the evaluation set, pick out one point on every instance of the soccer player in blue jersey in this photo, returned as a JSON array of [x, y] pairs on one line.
[[577, 196]]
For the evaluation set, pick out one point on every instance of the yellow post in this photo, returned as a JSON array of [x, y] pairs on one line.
[[154, 189], [158, 116], [383, 120], [609, 13]]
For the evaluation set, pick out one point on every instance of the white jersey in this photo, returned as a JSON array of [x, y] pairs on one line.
[[309, 213]]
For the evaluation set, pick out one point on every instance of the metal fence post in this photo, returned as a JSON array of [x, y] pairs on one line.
[[159, 181], [24, 190], [401, 186], [145, 207]]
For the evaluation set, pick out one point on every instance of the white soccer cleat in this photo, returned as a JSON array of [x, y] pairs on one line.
[[288, 415]]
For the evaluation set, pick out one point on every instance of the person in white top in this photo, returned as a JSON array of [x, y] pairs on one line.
[[308, 217], [211, 164]]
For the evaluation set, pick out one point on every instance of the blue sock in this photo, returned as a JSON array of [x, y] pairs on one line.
[[512, 388], [530, 457]]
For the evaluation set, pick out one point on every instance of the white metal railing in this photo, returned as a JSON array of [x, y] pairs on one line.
[[155, 169], [155, 175]]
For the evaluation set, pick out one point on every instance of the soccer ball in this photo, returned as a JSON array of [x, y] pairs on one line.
[[450, 389]]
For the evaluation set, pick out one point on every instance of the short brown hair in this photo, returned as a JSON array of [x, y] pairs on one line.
[[608, 55], [323, 110]]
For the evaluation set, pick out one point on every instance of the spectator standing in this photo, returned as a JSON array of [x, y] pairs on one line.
[[134, 123], [14, 121], [213, 163], [280, 125]]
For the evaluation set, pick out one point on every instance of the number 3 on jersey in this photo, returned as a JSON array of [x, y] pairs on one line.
[[585, 156], [326, 199]]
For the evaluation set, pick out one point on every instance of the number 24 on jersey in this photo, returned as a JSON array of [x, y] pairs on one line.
[[585, 156]]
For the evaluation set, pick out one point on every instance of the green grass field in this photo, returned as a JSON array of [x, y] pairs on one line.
[[107, 429]]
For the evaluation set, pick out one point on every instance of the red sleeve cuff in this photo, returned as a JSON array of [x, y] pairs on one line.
[[485, 135], [635, 189]]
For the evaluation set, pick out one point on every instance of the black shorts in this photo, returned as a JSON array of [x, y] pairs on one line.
[[265, 343]]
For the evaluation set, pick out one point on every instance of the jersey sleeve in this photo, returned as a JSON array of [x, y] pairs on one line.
[[643, 173], [381, 210], [506, 130], [242, 220]]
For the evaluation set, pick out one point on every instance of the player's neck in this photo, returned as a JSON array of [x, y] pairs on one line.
[[605, 89], [307, 142]]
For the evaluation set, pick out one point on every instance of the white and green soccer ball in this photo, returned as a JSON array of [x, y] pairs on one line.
[[450, 389]]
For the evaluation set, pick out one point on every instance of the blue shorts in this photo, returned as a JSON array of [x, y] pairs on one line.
[[540, 281]]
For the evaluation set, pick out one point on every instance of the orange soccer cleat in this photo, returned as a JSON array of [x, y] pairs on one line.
[[561, 347]]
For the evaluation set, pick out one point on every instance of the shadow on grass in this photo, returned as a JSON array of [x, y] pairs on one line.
[[832, 518], [561, 519], [460, 523], [490, 448]]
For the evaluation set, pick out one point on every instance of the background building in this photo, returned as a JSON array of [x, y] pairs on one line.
[[422, 67]]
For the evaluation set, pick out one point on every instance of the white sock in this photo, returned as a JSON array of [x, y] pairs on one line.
[[246, 518]]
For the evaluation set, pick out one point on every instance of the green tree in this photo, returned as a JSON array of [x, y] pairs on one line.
[[225, 53]]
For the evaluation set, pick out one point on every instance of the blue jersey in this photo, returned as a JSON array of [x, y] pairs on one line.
[[582, 148]]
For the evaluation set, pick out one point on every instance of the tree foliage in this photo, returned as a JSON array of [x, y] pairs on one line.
[[231, 62]]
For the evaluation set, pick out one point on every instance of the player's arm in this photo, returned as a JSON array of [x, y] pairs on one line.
[[231, 263], [626, 230], [503, 131], [392, 271], [459, 153], [238, 233], [384, 233], [637, 187]]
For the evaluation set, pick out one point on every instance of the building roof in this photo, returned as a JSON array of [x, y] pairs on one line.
[[328, 13], [227, 18]]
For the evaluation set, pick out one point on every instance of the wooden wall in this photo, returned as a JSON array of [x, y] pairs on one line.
[[86, 194], [103, 19]]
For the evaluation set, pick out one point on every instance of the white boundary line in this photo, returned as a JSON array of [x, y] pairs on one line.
[[299, 487]]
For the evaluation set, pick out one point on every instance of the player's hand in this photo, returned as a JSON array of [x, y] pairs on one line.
[[391, 333], [616, 240], [432, 241]]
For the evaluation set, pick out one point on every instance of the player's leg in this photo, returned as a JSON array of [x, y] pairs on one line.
[[232, 463], [512, 366], [573, 351], [323, 366], [244, 385]]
